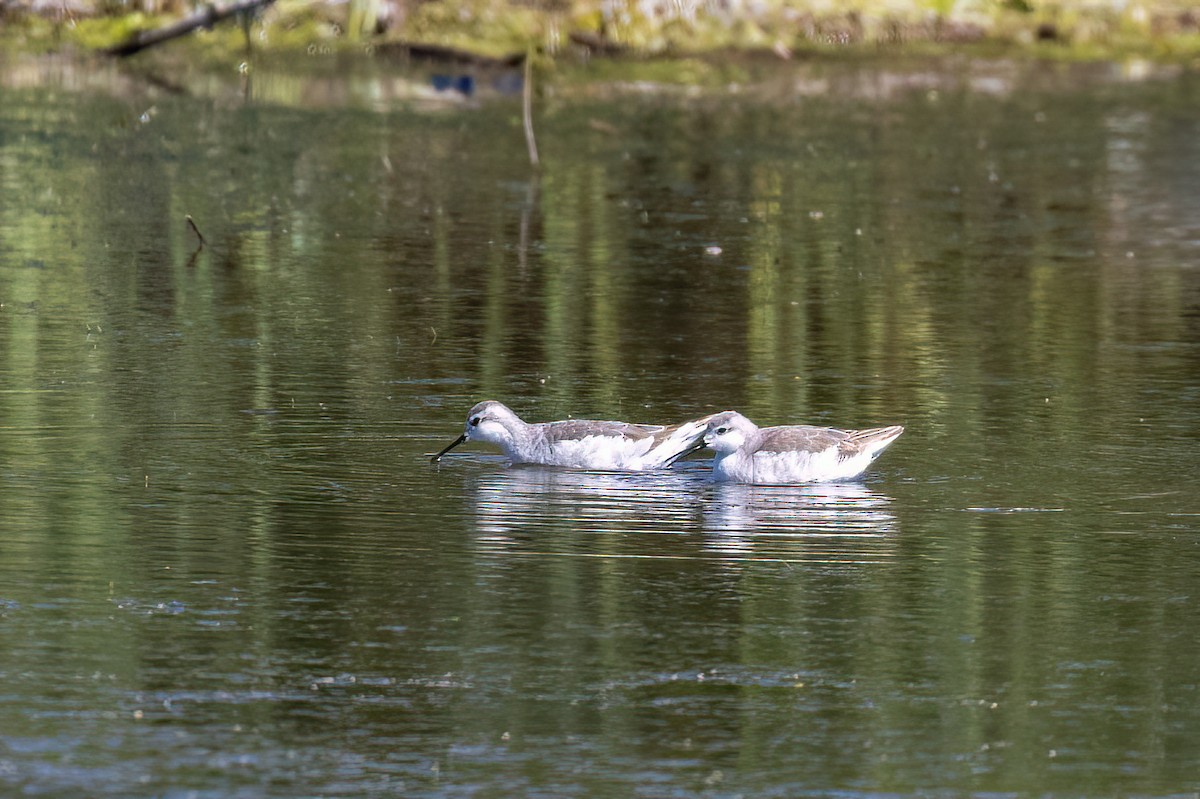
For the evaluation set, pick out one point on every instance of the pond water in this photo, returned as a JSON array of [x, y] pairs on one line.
[[227, 568]]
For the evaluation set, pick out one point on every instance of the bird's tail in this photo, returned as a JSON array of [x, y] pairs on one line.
[[876, 439], [680, 440]]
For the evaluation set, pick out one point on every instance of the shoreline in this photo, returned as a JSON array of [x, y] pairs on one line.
[[648, 31]]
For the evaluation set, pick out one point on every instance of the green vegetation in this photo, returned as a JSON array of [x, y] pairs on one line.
[[1075, 29]]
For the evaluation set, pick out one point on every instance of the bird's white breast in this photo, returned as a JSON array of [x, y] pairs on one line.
[[797, 466]]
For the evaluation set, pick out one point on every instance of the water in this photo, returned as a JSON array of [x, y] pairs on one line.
[[227, 568]]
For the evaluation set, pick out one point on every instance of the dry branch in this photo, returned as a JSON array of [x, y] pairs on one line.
[[204, 18]]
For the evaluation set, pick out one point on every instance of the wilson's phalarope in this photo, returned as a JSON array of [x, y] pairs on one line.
[[579, 443], [747, 453]]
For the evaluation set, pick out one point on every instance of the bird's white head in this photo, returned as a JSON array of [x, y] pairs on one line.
[[728, 431], [488, 421], [492, 422]]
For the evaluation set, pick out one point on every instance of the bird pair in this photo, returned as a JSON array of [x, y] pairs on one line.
[[745, 453]]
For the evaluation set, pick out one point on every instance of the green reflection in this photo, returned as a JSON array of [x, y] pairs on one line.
[[217, 514]]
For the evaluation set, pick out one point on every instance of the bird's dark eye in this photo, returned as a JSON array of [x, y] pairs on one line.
[[722, 431], [475, 421]]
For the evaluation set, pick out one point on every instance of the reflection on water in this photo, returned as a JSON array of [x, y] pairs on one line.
[[515, 503], [226, 568], [534, 508], [834, 522]]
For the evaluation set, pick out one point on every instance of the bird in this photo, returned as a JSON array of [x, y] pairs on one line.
[[747, 453], [578, 443]]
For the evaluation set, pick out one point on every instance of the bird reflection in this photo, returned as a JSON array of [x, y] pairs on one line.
[[680, 513], [842, 522], [511, 501]]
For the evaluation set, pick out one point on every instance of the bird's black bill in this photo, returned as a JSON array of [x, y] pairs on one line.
[[697, 446], [453, 444]]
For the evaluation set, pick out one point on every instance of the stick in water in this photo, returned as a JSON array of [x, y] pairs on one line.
[[196, 230], [528, 109]]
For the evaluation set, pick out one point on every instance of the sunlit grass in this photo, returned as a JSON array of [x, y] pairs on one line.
[[1078, 29]]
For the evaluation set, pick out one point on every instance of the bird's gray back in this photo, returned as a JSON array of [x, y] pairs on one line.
[[798, 438], [575, 429]]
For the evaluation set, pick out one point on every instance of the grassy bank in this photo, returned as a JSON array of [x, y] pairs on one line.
[[1072, 29]]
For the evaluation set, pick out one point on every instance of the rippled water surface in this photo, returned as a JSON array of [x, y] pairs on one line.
[[227, 568]]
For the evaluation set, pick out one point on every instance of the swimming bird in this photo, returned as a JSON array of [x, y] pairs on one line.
[[747, 453], [579, 443]]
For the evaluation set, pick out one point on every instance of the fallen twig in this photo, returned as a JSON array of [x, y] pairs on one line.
[[204, 18]]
